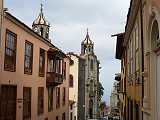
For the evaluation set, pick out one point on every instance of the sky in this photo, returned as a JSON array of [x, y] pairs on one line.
[[69, 20]]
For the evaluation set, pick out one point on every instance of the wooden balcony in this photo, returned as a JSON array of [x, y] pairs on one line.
[[54, 79]]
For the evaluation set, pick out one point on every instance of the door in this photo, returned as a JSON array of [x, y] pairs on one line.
[[8, 97], [26, 103]]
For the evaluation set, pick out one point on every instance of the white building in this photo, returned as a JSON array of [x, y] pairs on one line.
[[76, 87], [73, 88], [114, 97], [114, 100]]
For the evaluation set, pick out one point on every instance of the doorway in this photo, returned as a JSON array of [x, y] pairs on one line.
[[8, 97]]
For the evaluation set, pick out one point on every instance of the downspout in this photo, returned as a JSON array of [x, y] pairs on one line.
[[142, 51], [1, 24]]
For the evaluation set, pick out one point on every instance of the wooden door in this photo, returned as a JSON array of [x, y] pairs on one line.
[[26, 103], [8, 97]]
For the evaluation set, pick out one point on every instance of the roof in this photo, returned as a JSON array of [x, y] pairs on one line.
[[87, 40], [119, 45], [74, 54], [40, 20], [29, 30]]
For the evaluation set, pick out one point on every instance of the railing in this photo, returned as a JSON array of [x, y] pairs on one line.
[[54, 79]]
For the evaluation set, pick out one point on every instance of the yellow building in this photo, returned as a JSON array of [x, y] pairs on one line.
[[139, 49]]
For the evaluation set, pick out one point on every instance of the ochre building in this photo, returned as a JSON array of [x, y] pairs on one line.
[[138, 49], [34, 74]]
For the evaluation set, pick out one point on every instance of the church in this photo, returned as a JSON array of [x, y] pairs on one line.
[[91, 77]]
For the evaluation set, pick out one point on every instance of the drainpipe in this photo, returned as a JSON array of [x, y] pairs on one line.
[[142, 50], [1, 21], [1, 17]]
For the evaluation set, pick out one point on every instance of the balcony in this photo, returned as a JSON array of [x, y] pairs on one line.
[[54, 79]]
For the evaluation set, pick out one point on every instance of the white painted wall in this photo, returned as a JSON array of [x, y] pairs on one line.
[[73, 92]]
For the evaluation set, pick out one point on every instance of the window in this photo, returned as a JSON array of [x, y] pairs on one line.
[[42, 62], [10, 51], [40, 100], [64, 96], [55, 65], [137, 61], [71, 106], [71, 62], [58, 66], [41, 31], [50, 99], [70, 80], [137, 53], [63, 116], [64, 70], [57, 97], [137, 36], [51, 64], [26, 103], [28, 58], [155, 35], [91, 65]]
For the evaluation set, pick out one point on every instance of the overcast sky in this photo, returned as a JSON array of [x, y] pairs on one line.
[[69, 20]]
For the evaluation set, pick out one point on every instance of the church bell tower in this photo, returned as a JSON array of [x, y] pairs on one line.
[[91, 77], [41, 26], [87, 46]]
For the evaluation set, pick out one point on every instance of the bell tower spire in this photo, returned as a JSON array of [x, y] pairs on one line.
[[41, 8], [40, 25], [87, 45]]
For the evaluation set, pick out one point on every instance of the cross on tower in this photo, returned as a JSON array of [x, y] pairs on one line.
[[41, 7]]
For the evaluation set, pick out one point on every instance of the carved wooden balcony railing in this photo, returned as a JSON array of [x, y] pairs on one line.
[[54, 79]]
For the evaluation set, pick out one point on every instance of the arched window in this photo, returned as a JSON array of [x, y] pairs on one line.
[[91, 65], [155, 35], [71, 62], [41, 31]]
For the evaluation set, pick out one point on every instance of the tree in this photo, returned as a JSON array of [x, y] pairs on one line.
[[102, 105], [103, 108], [100, 91]]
